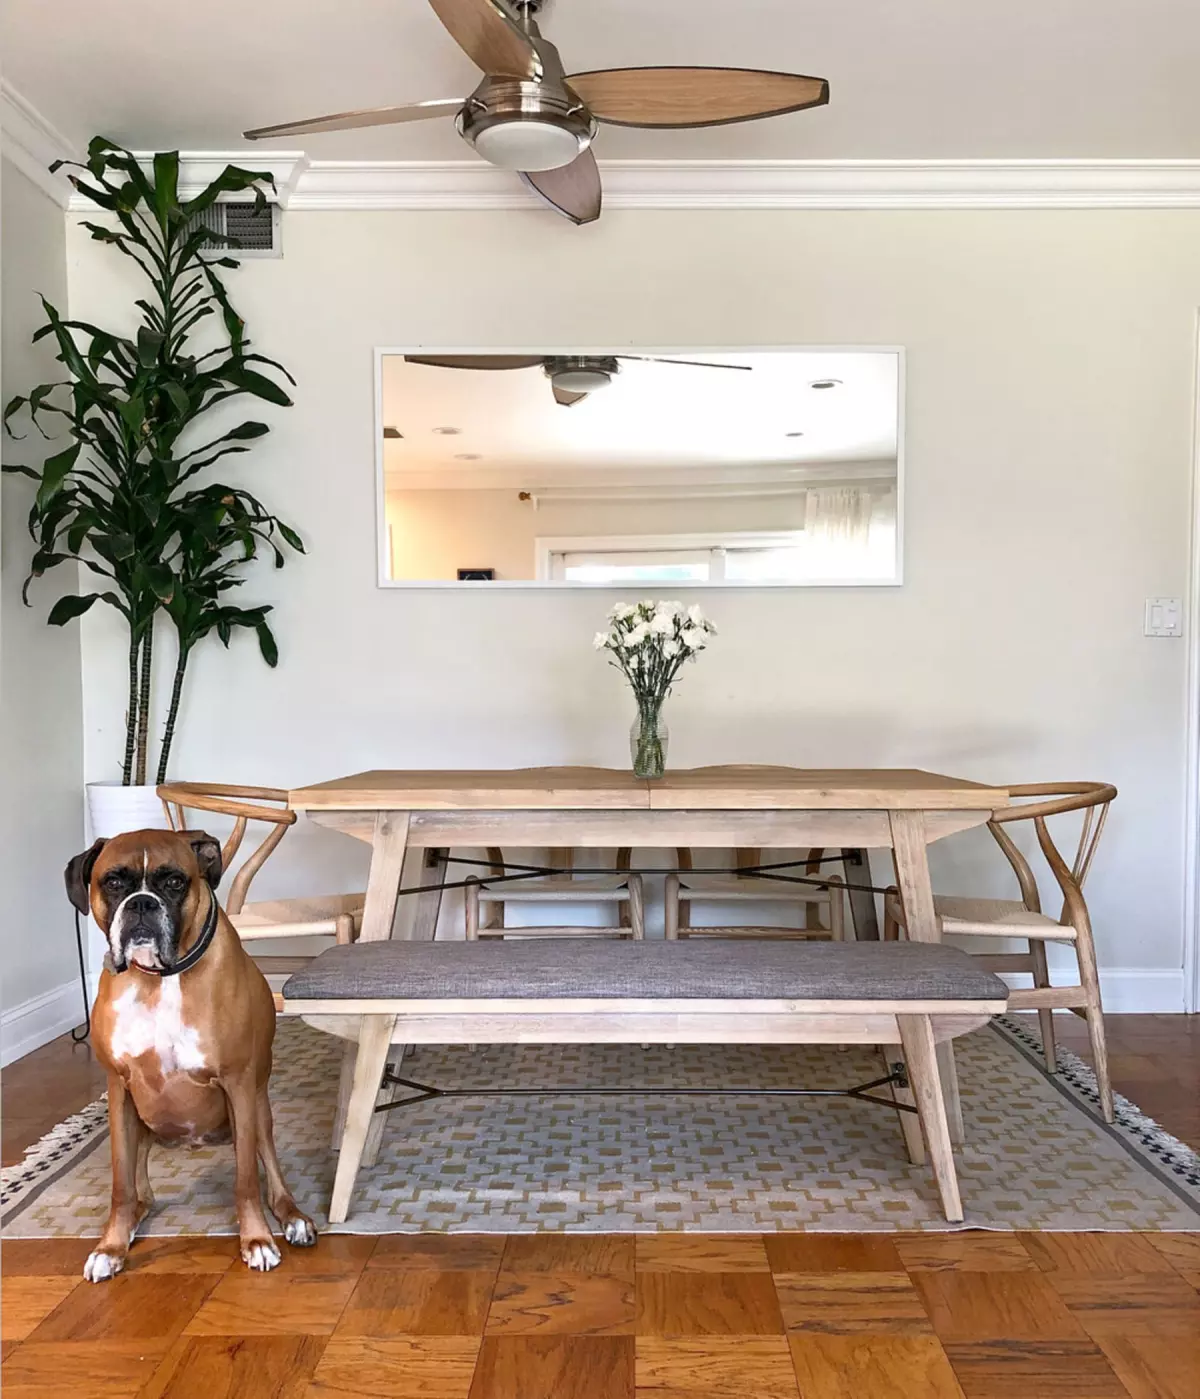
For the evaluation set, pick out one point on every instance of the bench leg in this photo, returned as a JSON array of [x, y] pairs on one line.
[[948, 1073], [916, 1035], [914, 1143], [374, 1041]]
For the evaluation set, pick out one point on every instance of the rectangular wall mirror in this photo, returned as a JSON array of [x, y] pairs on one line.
[[613, 468]]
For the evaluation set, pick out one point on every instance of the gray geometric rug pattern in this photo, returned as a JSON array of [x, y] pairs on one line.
[[1037, 1156]]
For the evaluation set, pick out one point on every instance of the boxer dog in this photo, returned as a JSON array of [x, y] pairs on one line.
[[183, 1022]]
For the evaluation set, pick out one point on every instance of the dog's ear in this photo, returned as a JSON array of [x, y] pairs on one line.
[[78, 877], [208, 855]]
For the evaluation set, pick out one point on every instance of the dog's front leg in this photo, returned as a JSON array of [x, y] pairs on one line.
[[259, 1250], [126, 1132]]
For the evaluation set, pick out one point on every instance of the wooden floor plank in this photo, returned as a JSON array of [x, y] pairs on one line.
[[593, 1254], [1141, 1304], [555, 1367], [25, 1302], [1151, 1370], [844, 1304], [702, 1253], [236, 1367], [1182, 1251], [874, 1367], [391, 1302], [1095, 1253], [715, 1367], [968, 1251], [564, 1304], [44, 1257], [707, 1304], [1033, 1369], [832, 1253], [443, 1253], [280, 1303], [413, 1367], [80, 1369], [152, 1307], [995, 1307]]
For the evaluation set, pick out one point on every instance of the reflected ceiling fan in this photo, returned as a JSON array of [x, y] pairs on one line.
[[527, 115], [572, 377]]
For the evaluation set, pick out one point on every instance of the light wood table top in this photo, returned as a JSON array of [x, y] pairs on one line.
[[725, 788]]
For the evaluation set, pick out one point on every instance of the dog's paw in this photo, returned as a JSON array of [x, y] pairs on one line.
[[101, 1266], [300, 1231], [260, 1255]]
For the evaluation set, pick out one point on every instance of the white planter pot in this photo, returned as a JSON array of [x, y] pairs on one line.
[[112, 810]]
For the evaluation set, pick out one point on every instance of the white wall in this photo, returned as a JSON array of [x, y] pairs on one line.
[[1050, 383], [41, 720]]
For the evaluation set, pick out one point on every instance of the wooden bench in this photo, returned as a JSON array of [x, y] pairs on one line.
[[556, 992]]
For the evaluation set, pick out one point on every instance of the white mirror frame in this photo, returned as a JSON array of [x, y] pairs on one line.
[[383, 551]]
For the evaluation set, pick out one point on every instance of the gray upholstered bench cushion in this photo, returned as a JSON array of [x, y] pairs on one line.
[[711, 970]]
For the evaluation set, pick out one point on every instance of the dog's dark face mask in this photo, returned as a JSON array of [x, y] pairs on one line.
[[145, 889]]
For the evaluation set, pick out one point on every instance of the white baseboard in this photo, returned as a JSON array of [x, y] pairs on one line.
[[40, 1019], [1130, 990]]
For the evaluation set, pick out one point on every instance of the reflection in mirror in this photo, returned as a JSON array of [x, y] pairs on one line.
[[724, 469]]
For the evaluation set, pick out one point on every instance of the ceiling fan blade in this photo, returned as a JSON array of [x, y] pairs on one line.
[[694, 363], [572, 189], [476, 361], [566, 398], [683, 97], [369, 116], [490, 34]]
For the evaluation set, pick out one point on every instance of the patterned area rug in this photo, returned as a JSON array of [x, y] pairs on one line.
[[1038, 1156]]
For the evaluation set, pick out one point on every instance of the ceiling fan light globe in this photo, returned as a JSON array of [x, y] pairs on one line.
[[580, 380], [526, 143]]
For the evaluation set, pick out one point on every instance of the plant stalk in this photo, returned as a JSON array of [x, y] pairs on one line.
[[131, 708], [143, 719], [169, 728]]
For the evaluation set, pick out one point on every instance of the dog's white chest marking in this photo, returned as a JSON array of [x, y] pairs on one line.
[[140, 1027]]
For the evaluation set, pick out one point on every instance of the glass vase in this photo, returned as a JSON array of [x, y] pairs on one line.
[[648, 737]]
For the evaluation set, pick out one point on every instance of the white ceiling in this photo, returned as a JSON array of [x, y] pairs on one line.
[[915, 79], [652, 419]]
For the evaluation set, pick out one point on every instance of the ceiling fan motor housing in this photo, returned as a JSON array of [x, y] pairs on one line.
[[525, 125], [581, 373]]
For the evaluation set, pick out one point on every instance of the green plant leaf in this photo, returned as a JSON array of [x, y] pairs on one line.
[[55, 471], [72, 606], [290, 536], [266, 644], [166, 188]]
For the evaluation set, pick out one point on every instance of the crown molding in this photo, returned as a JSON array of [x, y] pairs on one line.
[[645, 184], [33, 144]]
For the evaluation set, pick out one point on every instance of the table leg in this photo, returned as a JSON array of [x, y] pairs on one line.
[[388, 849], [418, 924], [856, 866], [911, 851]]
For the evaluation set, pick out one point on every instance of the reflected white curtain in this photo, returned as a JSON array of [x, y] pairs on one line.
[[849, 532]]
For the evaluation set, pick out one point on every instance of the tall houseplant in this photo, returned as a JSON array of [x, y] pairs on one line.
[[127, 494]]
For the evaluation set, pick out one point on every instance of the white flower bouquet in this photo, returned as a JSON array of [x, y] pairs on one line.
[[649, 642]]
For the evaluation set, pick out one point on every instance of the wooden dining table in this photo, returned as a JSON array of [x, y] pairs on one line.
[[412, 818]]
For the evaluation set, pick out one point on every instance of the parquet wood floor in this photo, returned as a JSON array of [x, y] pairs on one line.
[[783, 1316]]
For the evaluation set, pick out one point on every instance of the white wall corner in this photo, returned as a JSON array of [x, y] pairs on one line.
[[33, 144], [37, 1021]]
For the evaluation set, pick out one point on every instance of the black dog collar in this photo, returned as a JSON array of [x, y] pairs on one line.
[[187, 962]]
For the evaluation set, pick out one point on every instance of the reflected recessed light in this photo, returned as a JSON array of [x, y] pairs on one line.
[[825, 384], [447, 431], [467, 456]]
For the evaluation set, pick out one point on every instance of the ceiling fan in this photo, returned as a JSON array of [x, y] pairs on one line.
[[572, 377], [528, 115]]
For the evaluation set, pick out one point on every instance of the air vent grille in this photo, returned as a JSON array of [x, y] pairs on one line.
[[255, 229]]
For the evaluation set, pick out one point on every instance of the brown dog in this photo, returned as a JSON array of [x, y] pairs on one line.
[[183, 1022]]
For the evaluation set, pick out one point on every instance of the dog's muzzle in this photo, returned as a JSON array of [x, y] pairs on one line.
[[141, 932]]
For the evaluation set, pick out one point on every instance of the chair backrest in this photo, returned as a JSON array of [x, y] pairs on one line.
[[1036, 802], [243, 804]]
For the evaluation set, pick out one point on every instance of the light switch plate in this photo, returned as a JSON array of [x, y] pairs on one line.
[[1164, 616]]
